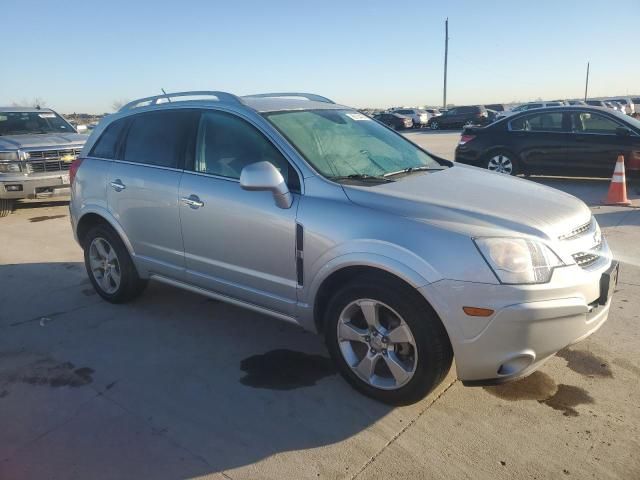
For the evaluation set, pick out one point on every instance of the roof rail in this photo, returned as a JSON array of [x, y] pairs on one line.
[[154, 100], [308, 96]]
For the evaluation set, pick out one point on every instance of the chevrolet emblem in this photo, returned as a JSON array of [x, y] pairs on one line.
[[68, 158]]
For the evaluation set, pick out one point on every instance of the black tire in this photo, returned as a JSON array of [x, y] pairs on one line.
[[506, 153], [131, 285], [434, 125], [434, 349], [6, 206]]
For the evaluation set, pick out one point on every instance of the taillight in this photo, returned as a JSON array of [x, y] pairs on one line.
[[73, 169], [465, 139]]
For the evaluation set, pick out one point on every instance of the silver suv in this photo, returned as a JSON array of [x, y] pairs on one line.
[[37, 147], [311, 212]]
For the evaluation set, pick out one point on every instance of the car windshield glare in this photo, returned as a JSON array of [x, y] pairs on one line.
[[25, 123], [345, 144]]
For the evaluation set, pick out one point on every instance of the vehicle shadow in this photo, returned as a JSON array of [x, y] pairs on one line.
[[170, 372], [30, 204]]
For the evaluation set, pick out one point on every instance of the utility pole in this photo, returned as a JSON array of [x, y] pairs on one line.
[[586, 86], [446, 55]]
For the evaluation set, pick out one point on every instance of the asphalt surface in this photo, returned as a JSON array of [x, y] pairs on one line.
[[177, 386]]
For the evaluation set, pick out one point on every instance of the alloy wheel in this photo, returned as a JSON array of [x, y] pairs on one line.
[[105, 266], [500, 163], [377, 344], [434, 126]]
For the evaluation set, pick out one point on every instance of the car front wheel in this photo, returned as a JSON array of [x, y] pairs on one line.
[[6, 206], [434, 126], [386, 341]]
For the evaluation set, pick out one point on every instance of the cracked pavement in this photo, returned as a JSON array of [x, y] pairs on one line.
[[157, 388]]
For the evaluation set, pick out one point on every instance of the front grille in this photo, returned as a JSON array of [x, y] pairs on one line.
[[41, 161], [585, 241], [586, 259], [576, 232]]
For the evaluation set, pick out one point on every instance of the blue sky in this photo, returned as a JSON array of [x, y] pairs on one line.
[[81, 56]]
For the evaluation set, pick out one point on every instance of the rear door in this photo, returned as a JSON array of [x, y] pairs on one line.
[[540, 140], [143, 187], [594, 143]]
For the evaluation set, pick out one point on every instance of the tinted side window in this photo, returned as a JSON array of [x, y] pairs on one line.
[[540, 122], [227, 144], [107, 144], [593, 123], [158, 138]]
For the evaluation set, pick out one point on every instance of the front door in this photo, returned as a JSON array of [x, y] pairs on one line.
[[594, 144], [237, 243]]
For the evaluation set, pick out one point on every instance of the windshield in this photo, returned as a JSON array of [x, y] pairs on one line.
[[343, 143], [24, 123]]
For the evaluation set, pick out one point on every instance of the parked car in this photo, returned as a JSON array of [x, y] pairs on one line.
[[417, 116], [577, 102], [37, 147], [498, 107], [577, 141], [458, 117], [394, 120], [617, 106], [598, 103], [627, 105], [636, 107], [315, 214], [527, 106]]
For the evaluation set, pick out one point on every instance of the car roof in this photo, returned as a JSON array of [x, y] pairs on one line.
[[276, 104], [24, 109]]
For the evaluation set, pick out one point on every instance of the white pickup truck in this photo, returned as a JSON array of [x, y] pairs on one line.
[[37, 147]]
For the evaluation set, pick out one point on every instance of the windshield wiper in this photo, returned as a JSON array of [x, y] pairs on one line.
[[362, 176], [410, 170]]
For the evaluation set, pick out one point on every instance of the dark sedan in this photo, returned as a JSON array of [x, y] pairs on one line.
[[580, 141], [459, 117], [394, 120]]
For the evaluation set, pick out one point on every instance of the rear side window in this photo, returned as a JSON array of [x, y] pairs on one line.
[[107, 144], [539, 122], [159, 138]]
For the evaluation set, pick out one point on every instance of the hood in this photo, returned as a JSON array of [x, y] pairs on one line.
[[39, 140], [475, 202]]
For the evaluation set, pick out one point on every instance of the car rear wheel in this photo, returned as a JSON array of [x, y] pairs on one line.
[[502, 162], [386, 341], [109, 265], [6, 206]]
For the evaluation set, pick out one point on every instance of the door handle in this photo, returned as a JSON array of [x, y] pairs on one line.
[[192, 201], [117, 185]]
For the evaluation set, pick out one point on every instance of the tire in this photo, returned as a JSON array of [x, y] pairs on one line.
[[434, 126], [425, 362], [501, 161], [6, 206], [104, 239]]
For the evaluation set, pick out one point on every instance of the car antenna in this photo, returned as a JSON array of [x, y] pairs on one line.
[[165, 94]]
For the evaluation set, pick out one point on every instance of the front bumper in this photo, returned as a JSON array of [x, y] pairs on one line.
[[34, 186], [529, 325]]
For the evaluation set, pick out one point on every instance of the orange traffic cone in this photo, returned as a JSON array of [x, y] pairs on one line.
[[618, 188]]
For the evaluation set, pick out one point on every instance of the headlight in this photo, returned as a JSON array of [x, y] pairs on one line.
[[518, 260], [8, 156], [9, 167]]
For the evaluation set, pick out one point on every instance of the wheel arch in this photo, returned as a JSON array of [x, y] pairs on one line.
[[92, 218]]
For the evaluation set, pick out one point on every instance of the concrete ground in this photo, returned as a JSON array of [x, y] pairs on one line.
[[177, 386]]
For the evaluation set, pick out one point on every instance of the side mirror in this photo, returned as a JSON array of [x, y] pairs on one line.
[[264, 176], [622, 132]]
